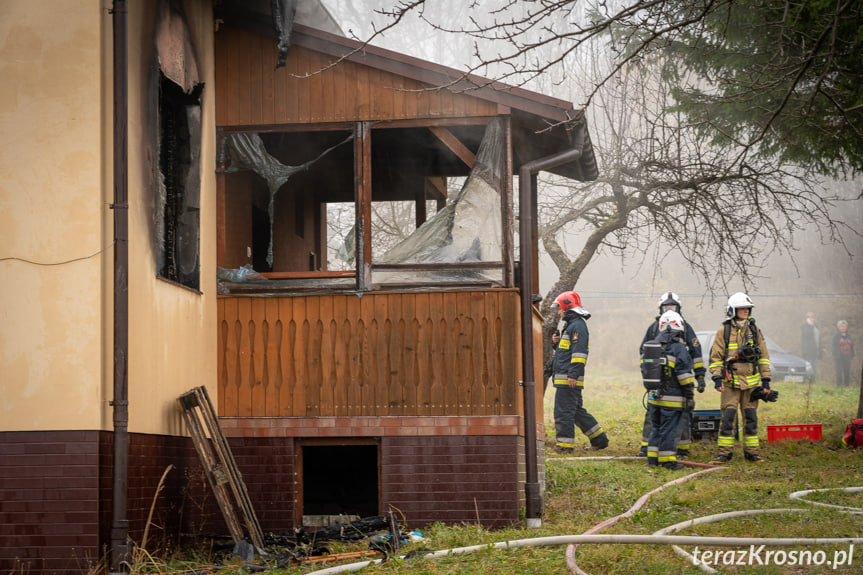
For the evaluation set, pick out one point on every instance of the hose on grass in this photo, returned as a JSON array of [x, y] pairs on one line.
[[712, 519], [570, 550], [798, 495], [607, 539], [660, 537]]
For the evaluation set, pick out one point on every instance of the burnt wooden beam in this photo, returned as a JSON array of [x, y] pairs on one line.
[[454, 144]]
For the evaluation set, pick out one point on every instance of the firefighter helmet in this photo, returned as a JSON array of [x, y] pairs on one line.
[[670, 321], [737, 301], [667, 299], [568, 300]]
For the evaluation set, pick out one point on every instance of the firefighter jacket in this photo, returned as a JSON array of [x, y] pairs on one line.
[[693, 346], [744, 361], [678, 378], [570, 357]]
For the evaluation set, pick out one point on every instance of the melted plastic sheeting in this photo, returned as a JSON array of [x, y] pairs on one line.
[[468, 229], [248, 152]]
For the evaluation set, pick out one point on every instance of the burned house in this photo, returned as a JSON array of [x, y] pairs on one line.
[[328, 237]]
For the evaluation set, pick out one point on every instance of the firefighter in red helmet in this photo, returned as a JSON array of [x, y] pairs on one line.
[[570, 358]]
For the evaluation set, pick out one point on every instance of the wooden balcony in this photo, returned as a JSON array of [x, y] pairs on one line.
[[373, 354]]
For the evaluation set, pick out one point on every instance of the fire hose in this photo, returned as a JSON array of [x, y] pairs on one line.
[[661, 537]]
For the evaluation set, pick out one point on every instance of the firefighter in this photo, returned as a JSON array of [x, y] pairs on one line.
[[670, 301], [570, 357], [740, 369], [674, 397]]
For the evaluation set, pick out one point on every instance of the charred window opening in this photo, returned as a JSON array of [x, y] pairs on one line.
[[277, 189], [339, 480], [337, 209], [179, 147]]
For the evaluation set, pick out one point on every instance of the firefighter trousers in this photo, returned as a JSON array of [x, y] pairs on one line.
[[684, 432], [662, 444], [732, 399], [569, 413]]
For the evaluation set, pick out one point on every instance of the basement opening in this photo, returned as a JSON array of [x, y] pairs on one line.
[[339, 483]]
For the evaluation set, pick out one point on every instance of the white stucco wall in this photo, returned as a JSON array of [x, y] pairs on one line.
[[56, 321]]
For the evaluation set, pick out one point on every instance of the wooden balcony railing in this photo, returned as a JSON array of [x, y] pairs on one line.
[[380, 353]]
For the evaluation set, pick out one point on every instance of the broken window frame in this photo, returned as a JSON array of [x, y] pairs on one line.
[[365, 266]]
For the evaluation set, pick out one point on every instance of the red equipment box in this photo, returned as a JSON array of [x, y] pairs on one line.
[[810, 431]]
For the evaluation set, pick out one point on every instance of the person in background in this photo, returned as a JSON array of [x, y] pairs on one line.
[[842, 347], [739, 362], [810, 342], [669, 301], [570, 359]]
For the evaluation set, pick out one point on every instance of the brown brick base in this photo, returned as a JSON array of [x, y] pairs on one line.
[[55, 488], [55, 497]]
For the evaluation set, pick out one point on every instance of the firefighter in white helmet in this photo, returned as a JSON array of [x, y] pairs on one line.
[[670, 386], [740, 368], [670, 301], [570, 358]]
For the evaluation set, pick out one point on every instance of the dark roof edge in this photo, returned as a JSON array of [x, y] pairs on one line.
[[433, 74]]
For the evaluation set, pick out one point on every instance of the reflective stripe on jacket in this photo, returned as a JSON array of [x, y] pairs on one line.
[[570, 357], [742, 374]]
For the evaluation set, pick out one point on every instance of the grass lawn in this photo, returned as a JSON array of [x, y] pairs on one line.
[[582, 492]]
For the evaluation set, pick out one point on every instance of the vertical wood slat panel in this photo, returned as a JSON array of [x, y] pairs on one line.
[[423, 368], [227, 358], [475, 312], [450, 327], [395, 352], [369, 355], [301, 85], [410, 338], [243, 87], [257, 336], [493, 349], [341, 373], [464, 353], [327, 380], [298, 352], [267, 66], [354, 326], [286, 365], [510, 362], [318, 106], [314, 357], [244, 357], [437, 352], [272, 360], [256, 81], [453, 353]]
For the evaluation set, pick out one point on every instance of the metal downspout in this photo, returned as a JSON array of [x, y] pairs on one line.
[[533, 496], [119, 521]]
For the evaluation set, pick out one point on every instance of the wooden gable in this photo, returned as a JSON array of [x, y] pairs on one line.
[[310, 90]]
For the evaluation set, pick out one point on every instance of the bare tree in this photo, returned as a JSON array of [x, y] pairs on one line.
[[663, 189], [783, 78]]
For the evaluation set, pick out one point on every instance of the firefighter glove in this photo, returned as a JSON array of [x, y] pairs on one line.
[[701, 385], [717, 381], [771, 395], [689, 400], [765, 383]]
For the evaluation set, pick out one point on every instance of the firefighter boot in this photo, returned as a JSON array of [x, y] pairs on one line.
[[720, 459]]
